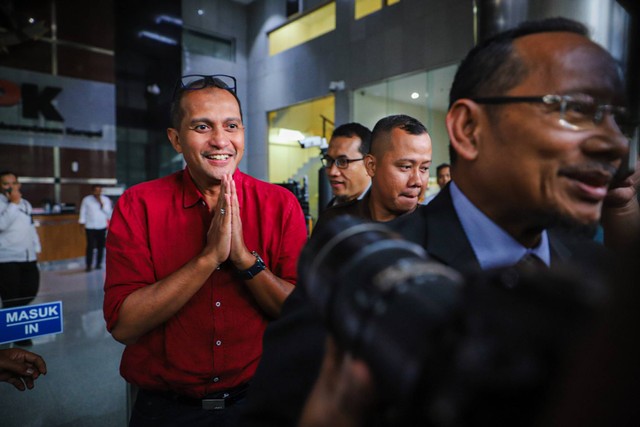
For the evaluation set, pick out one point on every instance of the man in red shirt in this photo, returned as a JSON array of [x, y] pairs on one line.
[[197, 264]]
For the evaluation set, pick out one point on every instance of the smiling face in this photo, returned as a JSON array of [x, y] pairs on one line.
[[399, 168], [528, 168], [349, 183], [210, 135]]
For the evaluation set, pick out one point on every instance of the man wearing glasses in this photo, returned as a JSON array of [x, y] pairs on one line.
[[198, 262], [344, 163], [537, 134], [520, 168]]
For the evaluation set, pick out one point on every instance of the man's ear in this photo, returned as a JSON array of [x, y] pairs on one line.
[[174, 138], [370, 165], [463, 126]]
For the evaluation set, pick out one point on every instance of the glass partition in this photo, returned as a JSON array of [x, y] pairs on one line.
[[309, 122]]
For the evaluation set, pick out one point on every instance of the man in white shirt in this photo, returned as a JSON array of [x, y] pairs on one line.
[[95, 212], [19, 244]]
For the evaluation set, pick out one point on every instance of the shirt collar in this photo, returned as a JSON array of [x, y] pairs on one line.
[[191, 194], [366, 190], [493, 246]]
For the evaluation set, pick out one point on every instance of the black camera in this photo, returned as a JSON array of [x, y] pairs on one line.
[[444, 349]]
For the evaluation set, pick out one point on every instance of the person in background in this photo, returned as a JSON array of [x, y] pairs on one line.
[[443, 176], [19, 246], [95, 212], [21, 368], [198, 263], [344, 164]]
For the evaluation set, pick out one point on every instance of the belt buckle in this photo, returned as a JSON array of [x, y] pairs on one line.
[[212, 404]]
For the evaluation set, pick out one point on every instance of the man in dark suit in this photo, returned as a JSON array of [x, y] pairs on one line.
[[532, 149]]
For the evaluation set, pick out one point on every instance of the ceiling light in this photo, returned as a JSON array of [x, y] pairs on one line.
[[415, 95], [169, 19], [200, 12], [157, 37]]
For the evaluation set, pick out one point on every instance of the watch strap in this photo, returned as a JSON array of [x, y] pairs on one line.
[[252, 271]]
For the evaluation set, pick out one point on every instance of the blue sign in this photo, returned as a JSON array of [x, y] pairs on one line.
[[21, 323]]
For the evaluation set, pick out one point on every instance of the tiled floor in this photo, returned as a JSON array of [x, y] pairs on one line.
[[83, 386]]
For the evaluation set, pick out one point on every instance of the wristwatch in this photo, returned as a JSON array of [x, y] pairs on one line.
[[252, 271]]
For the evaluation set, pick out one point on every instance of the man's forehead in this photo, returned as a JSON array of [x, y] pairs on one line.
[[193, 98], [399, 147], [344, 143], [565, 62]]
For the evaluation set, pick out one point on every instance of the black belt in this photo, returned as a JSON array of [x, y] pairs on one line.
[[211, 402]]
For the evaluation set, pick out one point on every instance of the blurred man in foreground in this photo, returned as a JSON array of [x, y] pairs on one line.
[[536, 125]]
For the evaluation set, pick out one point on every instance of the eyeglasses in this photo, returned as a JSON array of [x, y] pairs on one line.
[[200, 81], [577, 111], [341, 162]]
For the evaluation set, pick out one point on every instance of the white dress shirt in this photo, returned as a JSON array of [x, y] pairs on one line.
[[19, 240], [93, 215]]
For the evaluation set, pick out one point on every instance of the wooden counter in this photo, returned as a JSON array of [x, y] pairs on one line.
[[61, 237]]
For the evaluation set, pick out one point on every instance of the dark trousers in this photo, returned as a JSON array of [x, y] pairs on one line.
[[95, 240], [19, 283], [158, 410]]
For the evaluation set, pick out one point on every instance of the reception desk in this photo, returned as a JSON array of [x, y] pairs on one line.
[[61, 236]]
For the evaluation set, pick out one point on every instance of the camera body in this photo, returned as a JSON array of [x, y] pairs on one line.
[[444, 349]]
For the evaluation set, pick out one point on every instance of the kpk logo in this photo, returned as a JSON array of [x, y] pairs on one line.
[[35, 102]]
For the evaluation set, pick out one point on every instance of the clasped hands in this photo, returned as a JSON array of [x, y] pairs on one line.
[[224, 238]]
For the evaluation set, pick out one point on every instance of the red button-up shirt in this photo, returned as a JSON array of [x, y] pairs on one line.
[[215, 341]]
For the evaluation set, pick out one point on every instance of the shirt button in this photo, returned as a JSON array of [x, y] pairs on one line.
[[218, 342], [218, 304], [216, 379]]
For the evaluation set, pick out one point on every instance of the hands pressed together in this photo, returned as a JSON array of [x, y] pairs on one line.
[[224, 238], [21, 367]]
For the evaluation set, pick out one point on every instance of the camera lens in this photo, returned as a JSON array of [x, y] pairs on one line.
[[366, 282]]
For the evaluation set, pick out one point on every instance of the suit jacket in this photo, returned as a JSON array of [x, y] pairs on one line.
[[294, 344], [437, 228]]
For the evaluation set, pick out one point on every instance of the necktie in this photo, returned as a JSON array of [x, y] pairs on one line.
[[531, 262]]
